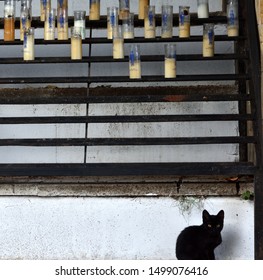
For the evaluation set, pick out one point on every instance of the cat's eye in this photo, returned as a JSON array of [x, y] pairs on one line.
[[218, 225], [209, 225]]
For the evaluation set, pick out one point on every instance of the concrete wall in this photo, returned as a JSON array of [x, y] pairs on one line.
[[115, 228]]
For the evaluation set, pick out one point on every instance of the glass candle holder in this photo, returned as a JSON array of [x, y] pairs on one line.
[[76, 43], [94, 9], [202, 9], [232, 18], [80, 22], [184, 22], [112, 20], [118, 43], [44, 6], [25, 17], [142, 5], [9, 20], [62, 23], [124, 9], [167, 21], [50, 23], [62, 4], [149, 22], [208, 40], [29, 44], [135, 62], [128, 27], [170, 61]]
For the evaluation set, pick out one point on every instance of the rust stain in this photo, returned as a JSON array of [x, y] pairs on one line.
[[175, 98]]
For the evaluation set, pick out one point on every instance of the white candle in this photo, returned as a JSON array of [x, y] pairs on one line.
[[202, 10]]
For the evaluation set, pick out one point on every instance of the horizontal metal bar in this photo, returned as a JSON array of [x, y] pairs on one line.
[[129, 169], [73, 99], [103, 59], [125, 119], [122, 79], [100, 40], [45, 142]]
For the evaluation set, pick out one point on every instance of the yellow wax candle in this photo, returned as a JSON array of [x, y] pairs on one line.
[[135, 70], [167, 34], [49, 33], [76, 47], [232, 31], [142, 5], [208, 47], [9, 29], [184, 30], [170, 68], [118, 48], [29, 52], [62, 30], [94, 12]]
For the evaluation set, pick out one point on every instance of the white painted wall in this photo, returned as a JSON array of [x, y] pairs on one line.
[[115, 228]]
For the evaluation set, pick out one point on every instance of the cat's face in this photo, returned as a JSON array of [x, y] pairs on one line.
[[213, 223]]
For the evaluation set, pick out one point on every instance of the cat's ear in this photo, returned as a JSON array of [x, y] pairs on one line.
[[206, 215], [221, 214]]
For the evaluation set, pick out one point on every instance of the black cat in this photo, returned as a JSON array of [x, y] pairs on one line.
[[199, 242]]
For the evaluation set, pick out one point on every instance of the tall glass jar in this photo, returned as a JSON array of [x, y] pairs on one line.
[[29, 44], [167, 21], [170, 61], [25, 17], [44, 6], [50, 22], [142, 5], [124, 9], [184, 22], [80, 22], [94, 9], [208, 40], [112, 20], [76, 43], [135, 62], [232, 18], [9, 20], [128, 27], [149, 22], [118, 43], [62, 19]]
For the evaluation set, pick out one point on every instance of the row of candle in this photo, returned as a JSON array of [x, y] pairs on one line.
[[118, 51], [113, 15]]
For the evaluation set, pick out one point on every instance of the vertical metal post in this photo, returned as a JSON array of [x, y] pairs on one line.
[[255, 89]]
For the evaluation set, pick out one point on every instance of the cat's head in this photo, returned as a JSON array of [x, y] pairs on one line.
[[213, 223]]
